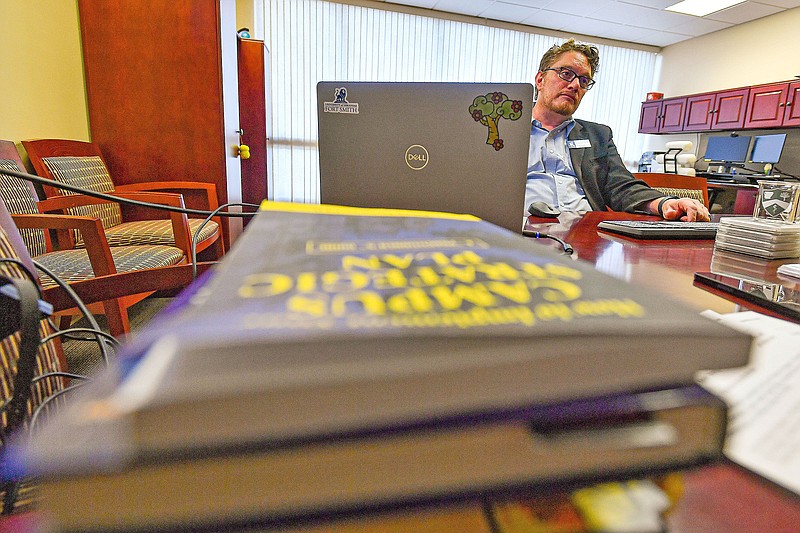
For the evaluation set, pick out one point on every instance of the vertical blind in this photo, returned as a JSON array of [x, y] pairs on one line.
[[316, 40]]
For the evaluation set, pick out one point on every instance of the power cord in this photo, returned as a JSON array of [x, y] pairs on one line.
[[102, 344], [26, 297], [28, 347], [104, 196], [196, 235], [64, 332], [782, 173], [569, 250]]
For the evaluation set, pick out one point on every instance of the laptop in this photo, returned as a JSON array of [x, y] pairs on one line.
[[660, 229], [453, 147]]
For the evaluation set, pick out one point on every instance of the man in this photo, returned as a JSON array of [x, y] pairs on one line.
[[573, 165]]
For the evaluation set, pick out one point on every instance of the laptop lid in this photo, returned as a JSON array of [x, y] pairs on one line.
[[453, 147]]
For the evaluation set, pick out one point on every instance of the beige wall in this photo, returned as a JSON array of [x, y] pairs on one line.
[[42, 93], [761, 51]]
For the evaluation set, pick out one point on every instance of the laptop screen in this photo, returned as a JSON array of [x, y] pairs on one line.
[[453, 147]]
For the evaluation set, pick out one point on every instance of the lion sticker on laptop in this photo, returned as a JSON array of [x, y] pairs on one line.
[[488, 109], [340, 103]]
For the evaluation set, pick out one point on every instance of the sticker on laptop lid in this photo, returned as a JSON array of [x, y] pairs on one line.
[[340, 103], [488, 109]]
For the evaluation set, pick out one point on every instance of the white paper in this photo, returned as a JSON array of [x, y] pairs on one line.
[[764, 398]]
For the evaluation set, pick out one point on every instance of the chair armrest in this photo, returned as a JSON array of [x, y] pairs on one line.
[[91, 229], [168, 279], [59, 203], [180, 222], [212, 201]]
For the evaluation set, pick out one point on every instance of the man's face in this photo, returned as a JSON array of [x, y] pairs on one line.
[[558, 95]]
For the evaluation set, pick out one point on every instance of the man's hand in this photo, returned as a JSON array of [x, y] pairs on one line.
[[684, 209]]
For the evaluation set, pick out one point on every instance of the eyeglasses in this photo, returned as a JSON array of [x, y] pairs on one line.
[[567, 74]]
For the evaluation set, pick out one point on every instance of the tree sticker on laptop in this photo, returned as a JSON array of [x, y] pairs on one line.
[[489, 109]]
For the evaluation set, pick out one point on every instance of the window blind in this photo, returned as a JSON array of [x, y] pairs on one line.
[[315, 40]]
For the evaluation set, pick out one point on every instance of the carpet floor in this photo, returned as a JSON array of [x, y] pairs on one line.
[[83, 357]]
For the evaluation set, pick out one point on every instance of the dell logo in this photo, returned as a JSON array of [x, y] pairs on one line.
[[416, 157]]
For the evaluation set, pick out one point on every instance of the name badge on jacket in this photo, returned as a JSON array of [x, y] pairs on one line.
[[579, 143]]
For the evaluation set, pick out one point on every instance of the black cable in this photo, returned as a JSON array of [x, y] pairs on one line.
[[196, 235], [108, 337], [38, 410], [103, 196], [80, 305], [784, 173], [49, 375], [28, 347], [67, 335], [569, 250]]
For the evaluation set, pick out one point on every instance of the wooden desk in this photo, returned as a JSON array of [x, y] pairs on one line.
[[665, 265], [723, 498], [719, 498]]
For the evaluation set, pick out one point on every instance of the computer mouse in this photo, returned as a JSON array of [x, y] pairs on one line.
[[542, 209]]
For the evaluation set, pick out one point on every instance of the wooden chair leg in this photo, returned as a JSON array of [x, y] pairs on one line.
[[65, 322], [219, 249], [117, 316]]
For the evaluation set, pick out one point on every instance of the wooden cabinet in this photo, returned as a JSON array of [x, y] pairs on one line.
[[672, 113], [791, 114], [253, 113], [662, 116], [774, 106], [650, 117], [765, 106], [161, 83], [729, 109], [699, 112]]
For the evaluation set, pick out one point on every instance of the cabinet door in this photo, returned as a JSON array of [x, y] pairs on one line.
[[650, 117], [699, 112], [765, 107], [253, 69], [672, 113], [729, 109], [791, 114]]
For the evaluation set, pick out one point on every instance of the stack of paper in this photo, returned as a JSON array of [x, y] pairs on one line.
[[762, 238]]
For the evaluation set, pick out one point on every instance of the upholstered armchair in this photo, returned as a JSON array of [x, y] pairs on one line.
[[81, 164], [95, 257], [677, 185]]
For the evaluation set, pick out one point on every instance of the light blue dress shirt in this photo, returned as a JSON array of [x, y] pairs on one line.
[[551, 178]]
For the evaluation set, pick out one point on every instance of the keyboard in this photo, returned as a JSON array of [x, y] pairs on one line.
[[734, 178], [661, 229]]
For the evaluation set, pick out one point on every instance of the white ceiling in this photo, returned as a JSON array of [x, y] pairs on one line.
[[635, 21]]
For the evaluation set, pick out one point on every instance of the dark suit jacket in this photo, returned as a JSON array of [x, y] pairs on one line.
[[602, 174]]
